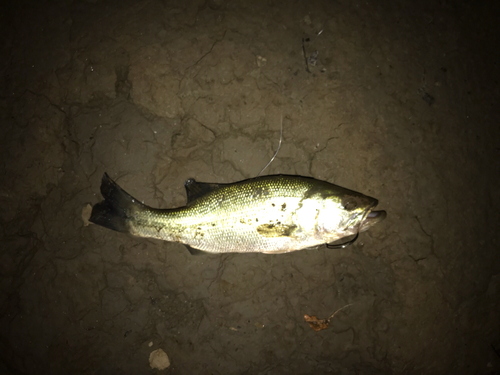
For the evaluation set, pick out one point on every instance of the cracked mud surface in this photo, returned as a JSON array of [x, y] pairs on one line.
[[402, 105]]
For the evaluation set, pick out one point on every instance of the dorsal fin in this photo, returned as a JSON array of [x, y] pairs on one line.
[[195, 189]]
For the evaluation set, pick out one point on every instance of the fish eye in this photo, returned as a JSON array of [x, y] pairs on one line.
[[349, 204]]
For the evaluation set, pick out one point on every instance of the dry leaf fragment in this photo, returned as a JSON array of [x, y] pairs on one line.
[[320, 324], [315, 323]]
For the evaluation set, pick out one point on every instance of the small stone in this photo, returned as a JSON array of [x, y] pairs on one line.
[[158, 359], [86, 212]]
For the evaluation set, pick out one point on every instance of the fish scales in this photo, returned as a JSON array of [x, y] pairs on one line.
[[229, 219], [270, 214]]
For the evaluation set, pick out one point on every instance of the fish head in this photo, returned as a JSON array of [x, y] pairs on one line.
[[347, 213]]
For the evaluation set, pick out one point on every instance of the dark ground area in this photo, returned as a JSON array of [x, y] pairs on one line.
[[401, 105]]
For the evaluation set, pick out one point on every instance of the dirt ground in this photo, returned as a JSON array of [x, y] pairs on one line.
[[399, 101]]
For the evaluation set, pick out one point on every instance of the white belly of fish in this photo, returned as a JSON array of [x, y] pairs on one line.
[[272, 226]]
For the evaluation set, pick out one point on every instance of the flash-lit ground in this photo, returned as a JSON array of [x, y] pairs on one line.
[[401, 105]]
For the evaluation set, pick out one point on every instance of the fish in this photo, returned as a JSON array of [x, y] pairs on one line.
[[272, 214]]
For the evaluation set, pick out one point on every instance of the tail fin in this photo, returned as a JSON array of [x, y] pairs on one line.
[[117, 207]]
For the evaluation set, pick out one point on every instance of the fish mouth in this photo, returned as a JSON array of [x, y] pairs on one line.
[[372, 218]]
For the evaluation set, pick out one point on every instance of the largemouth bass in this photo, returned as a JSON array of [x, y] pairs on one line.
[[270, 214]]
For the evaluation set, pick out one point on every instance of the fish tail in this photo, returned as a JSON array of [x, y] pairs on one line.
[[117, 208]]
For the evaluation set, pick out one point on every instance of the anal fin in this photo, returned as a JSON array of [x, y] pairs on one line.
[[195, 252]]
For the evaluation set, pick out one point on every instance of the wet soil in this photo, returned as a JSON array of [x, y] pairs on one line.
[[398, 100]]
